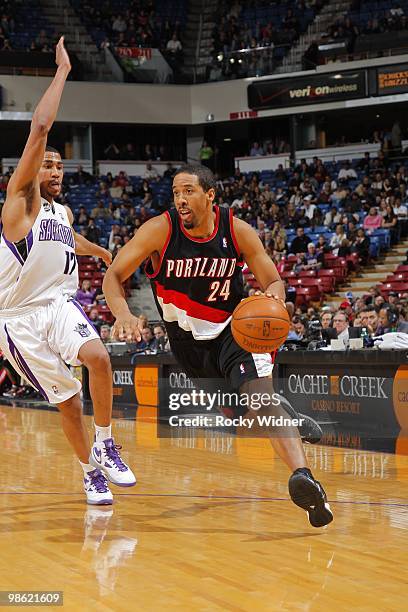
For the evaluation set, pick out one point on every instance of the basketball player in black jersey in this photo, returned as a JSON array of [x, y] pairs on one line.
[[195, 255]]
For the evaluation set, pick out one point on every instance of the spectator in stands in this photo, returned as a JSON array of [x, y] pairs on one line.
[[326, 320], [150, 172], [338, 237], [256, 150], [369, 319], [390, 222], [206, 154], [332, 217], [361, 246], [347, 172], [300, 325], [341, 325], [373, 220], [174, 46], [81, 177], [299, 244], [95, 319], [100, 211], [87, 296], [389, 321], [309, 207], [81, 217], [314, 260], [92, 232], [279, 237], [105, 333], [161, 342], [147, 341], [170, 171]]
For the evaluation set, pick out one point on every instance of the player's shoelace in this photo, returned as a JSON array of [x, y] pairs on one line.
[[112, 452], [98, 481]]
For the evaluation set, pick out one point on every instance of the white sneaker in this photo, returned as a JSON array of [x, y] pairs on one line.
[[97, 489], [105, 456]]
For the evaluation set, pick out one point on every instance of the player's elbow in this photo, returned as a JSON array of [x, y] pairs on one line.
[[40, 126]]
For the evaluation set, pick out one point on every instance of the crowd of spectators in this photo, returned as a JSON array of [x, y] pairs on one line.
[[15, 31], [305, 212], [136, 24], [148, 152], [362, 21], [251, 38], [345, 28], [269, 146]]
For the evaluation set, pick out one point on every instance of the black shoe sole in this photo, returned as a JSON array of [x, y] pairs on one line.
[[309, 495], [310, 431]]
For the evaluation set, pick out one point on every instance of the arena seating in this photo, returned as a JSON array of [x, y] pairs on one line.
[[29, 21], [99, 20]]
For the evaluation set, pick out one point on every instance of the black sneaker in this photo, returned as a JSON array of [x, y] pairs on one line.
[[308, 493], [309, 430]]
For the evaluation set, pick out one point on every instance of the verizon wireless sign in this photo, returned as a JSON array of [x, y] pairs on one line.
[[280, 93]]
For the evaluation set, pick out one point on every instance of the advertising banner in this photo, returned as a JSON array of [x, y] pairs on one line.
[[314, 89], [392, 80]]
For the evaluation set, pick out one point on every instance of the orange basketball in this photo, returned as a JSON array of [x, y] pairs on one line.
[[260, 324]]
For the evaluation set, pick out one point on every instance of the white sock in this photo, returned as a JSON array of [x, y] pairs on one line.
[[87, 467], [102, 433]]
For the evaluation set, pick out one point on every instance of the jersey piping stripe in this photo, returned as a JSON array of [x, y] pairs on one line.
[[234, 240], [214, 232], [83, 313], [13, 249], [29, 241], [166, 244], [23, 366], [191, 307]]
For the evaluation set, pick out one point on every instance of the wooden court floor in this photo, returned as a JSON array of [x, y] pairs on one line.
[[208, 527]]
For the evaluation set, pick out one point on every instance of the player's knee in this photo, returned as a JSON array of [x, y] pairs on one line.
[[99, 360]]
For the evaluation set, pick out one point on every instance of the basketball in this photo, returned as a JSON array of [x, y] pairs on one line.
[[260, 324]]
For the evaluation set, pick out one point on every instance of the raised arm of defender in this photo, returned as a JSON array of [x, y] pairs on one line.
[[23, 193], [148, 241]]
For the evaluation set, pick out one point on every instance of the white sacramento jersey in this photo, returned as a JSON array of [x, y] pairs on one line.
[[42, 266]]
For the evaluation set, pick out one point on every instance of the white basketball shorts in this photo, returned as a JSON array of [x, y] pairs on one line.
[[40, 344]]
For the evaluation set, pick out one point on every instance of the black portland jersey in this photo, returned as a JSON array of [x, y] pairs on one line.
[[198, 282]]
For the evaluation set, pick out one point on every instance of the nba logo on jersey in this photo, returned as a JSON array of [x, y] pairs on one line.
[[224, 243], [82, 329], [242, 368]]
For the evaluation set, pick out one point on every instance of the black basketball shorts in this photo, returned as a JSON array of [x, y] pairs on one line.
[[221, 358]]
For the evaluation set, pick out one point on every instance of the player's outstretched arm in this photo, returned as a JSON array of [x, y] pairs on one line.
[[23, 187], [148, 240], [260, 264]]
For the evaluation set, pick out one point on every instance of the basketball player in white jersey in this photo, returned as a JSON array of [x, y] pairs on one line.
[[42, 328]]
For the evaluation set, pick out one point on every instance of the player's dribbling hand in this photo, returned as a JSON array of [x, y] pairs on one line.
[[126, 329], [270, 295], [61, 55]]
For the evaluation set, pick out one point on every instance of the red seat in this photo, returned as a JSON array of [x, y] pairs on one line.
[[402, 268], [310, 282], [85, 274], [307, 273], [288, 274], [307, 294], [293, 281], [327, 284]]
